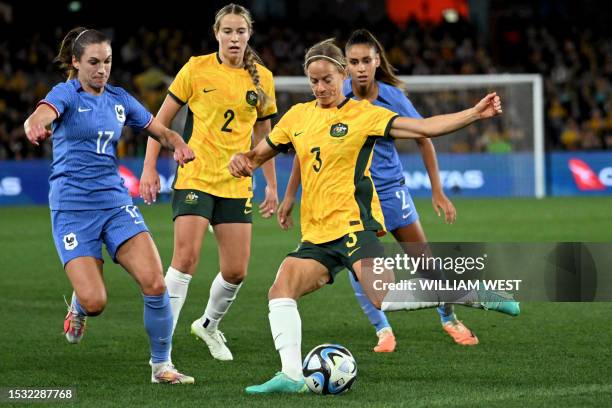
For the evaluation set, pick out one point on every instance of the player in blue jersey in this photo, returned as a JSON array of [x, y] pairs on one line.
[[89, 203], [372, 77]]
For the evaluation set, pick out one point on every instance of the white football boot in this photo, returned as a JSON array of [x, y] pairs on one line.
[[166, 373], [214, 340]]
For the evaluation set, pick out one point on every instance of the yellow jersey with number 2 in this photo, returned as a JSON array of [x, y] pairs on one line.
[[222, 109]]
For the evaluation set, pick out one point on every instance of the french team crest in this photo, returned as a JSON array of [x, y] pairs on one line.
[[338, 130], [120, 112], [251, 98], [70, 241]]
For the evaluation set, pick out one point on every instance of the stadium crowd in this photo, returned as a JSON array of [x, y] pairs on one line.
[[575, 62]]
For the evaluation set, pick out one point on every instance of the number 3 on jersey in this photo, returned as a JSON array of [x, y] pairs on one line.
[[101, 144], [319, 163]]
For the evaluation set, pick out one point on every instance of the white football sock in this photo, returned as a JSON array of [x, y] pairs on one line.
[[407, 305], [286, 327], [177, 284], [222, 295], [404, 299]]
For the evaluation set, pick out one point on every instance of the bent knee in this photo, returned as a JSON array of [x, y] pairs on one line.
[[154, 287], [234, 275], [278, 291], [185, 265], [284, 290], [186, 261], [94, 305]]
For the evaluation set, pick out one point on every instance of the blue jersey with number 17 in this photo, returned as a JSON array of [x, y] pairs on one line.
[[386, 167], [85, 173]]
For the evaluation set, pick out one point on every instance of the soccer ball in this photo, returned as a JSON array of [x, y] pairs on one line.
[[329, 369]]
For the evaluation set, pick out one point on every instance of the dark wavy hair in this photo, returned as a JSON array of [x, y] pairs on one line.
[[74, 43]]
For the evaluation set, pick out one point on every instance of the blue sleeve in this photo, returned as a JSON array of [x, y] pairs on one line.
[[137, 116], [405, 107], [346, 86], [59, 98]]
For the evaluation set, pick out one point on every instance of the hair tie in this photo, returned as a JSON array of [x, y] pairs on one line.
[[335, 61], [78, 36]]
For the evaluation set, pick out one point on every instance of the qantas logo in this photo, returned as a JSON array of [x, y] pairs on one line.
[[130, 181], [585, 177], [464, 179]]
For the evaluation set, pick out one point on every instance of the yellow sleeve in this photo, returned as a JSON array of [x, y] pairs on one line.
[[180, 89], [381, 120], [280, 137], [270, 110]]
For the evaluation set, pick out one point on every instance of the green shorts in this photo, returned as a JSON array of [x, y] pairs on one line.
[[342, 252], [218, 210]]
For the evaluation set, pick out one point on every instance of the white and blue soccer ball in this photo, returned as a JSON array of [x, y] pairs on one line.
[[329, 369]]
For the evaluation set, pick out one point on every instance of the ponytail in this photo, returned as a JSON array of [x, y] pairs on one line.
[[250, 58]]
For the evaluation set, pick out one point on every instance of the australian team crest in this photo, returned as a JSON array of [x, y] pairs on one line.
[[191, 198], [251, 98], [338, 130], [120, 112]]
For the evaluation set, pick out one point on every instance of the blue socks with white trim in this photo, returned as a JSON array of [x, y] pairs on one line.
[[158, 324]]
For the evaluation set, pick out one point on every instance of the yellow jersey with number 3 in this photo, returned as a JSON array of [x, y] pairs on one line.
[[222, 109], [334, 147]]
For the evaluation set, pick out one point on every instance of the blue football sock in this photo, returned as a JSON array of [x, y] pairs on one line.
[[447, 313], [376, 317], [158, 323]]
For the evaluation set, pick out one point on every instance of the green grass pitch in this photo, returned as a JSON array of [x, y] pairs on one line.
[[554, 354]]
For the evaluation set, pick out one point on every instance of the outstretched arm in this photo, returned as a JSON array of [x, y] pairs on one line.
[[243, 164], [36, 124], [409, 128]]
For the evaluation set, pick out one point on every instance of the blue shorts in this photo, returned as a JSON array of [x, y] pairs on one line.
[[81, 233], [397, 207]]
